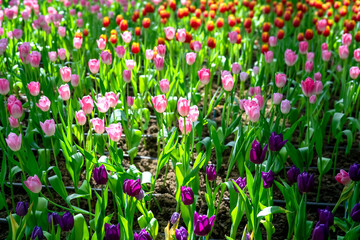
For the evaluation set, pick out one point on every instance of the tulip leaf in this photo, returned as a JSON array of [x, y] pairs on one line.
[[325, 163], [81, 228], [272, 210], [57, 183]]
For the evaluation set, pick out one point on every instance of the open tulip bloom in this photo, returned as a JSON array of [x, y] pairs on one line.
[[230, 114]]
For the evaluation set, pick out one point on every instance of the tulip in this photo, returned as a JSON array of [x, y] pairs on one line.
[[272, 41], [62, 31], [112, 98], [308, 66], [305, 182], [4, 86], [308, 87], [65, 74], [94, 66], [257, 154], [320, 232], [48, 127], [35, 58], [325, 55], [67, 221], [169, 33], [196, 46], [326, 216], [181, 35], [228, 82], [292, 174], [276, 142], [101, 43], [232, 37], [52, 56], [324, 46], [181, 234], [112, 232], [64, 92], [74, 80], [252, 109], [164, 86], [290, 57], [193, 113], [303, 47], [241, 182], [280, 80], [100, 175], [235, 68], [318, 87], [357, 55], [187, 195], [62, 53], [98, 125], [24, 50], [14, 107], [343, 52], [22, 208], [269, 56], [285, 106], [354, 172], [126, 36], [190, 58], [143, 235], [188, 125], [149, 54], [338, 68], [14, 142], [34, 88], [159, 102], [346, 39], [317, 76], [355, 213], [183, 107], [343, 177], [354, 72], [251, 91], [77, 41], [102, 104], [87, 104], [268, 178], [114, 131], [54, 219], [159, 63], [174, 218], [132, 187], [203, 224], [256, 70], [14, 123], [310, 56], [106, 57], [277, 97], [243, 76], [141, 195], [211, 172], [161, 50], [204, 75], [130, 101], [33, 184], [321, 25], [120, 51], [312, 99], [130, 64], [127, 76], [37, 233]]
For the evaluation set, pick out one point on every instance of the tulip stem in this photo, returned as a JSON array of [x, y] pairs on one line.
[[52, 145], [319, 187], [163, 142]]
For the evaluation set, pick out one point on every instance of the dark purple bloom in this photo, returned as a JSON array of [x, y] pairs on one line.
[[354, 172], [54, 219], [181, 234], [37, 233], [174, 218], [140, 195], [305, 182], [143, 235], [247, 236], [100, 175], [326, 216], [320, 232], [211, 172], [67, 221], [276, 142], [132, 187], [112, 232], [203, 224], [22, 208], [268, 178], [187, 195], [257, 154], [292, 174], [241, 182], [355, 213]]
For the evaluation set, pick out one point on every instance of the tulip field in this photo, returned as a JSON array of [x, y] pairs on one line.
[[180, 120]]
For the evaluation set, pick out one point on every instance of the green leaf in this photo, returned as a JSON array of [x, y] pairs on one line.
[[272, 210], [325, 163], [81, 227], [57, 183]]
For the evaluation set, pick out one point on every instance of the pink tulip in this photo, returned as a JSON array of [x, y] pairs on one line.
[[62, 31], [343, 177], [280, 80], [343, 52], [120, 51], [159, 63], [277, 97], [251, 91], [272, 41], [339, 68], [35, 58], [181, 35], [252, 110], [285, 106], [14, 123], [290, 57], [102, 104], [80, 117], [106, 57], [190, 58], [183, 106], [4, 86], [354, 72], [161, 50], [64, 92], [321, 25], [325, 55], [17, 33], [77, 41], [130, 64], [196, 46], [65, 73], [241, 103], [228, 82], [62, 53], [98, 125], [14, 142], [149, 54], [169, 33], [235, 68], [357, 55], [130, 101], [318, 87], [52, 56], [256, 70], [257, 90], [14, 107], [94, 66], [188, 125], [308, 87], [24, 50], [164, 86], [346, 39], [243, 76], [312, 99], [74, 80], [260, 100], [317, 76], [114, 130], [159, 103], [112, 98], [204, 75], [48, 127], [126, 36], [324, 46], [101, 43], [193, 113], [233, 37], [44, 104], [269, 56], [87, 104], [33, 184], [303, 47], [308, 66], [310, 56], [127, 76]]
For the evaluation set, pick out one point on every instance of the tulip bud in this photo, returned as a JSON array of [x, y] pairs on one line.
[[22, 208], [187, 195], [211, 172]]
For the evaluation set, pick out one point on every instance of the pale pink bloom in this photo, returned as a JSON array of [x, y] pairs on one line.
[[159, 103], [228, 82], [251, 91], [130, 64], [285, 106], [102, 104], [106, 57], [52, 56], [308, 66], [272, 41], [17, 33], [72, 12], [183, 106], [35, 58], [159, 63], [343, 177], [164, 86], [310, 56], [241, 103], [126, 36], [190, 58], [290, 57], [339, 68], [94, 66], [48, 127], [14, 107], [317, 76], [101, 43], [354, 72], [232, 37], [74, 80], [308, 87], [277, 97], [256, 70], [181, 35], [64, 92], [34, 88], [14, 123], [77, 41], [204, 75], [321, 25], [346, 39], [112, 98], [114, 130], [80, 117], [280, 80], [312, 99], [98, 125], [252, 110], [343, 52], [303, 47], [62, 31], [14, 142], [196, 46], [325, 55], [120, 51], [161, 50], [324, 46], [149, 54], [65, 73], [127, 76], [269, 56], [257, 90], [62, 53], [44, 104], [243, 76], [318, 87], [79, 22], [235, 68], [4, 86], [24, 50], [193, 113], [130, 101], [260, 100], [169, 33], [33, 184], [357, 54], [188, 125]]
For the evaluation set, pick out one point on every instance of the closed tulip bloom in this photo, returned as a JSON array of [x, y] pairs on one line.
[[4, 86], [164, 86], [308, 66], [126, 36], [317, 76], [33, 184], [67, 222], [106, 57], [54, 219], [343, 52], [303, 47], [312, 99], [228, 82], [355, 213], [354, 72], [241, 103], [196, 46], [326, 216], [211, 172], [343, 177], [277, 97], [112, 232], [48, 127], [188, 125], [98, 125], [64, 92], [74, 80], [62, 31], [338, 68], [101, 43], [272, 41], [193, 113], [285, 106], [34, 88], [190, 58], [159, 102], [181, 35], [324, 46], [102, 104], [320, 232], [310, 56], [35, 58], [290, 57], [203, 224], [256, 70], [233, 37], [65, 73], [181, 234], [308, 87], [187, 195], [204, 75], [251, 91], [22, 208], [241, 182], [130, 64], [142, 235], [149, 54], [174, 217], [276, 142], [132, 187], [346, 39], [325, 55], [61, 53], [94, 66], [120, 51], [14, 142], [357, 55], [14, 107], [24, 50], [77, 41], [183, 107], [169, 33], [318, 87], [112, 98], [52, 56], [161, 50], [127, 76], [354, 172], [269, 56], [100, 175], [321, 24], [292, 174], [268, 178], [37, 233], [235, 68], [280, 80], [130, 101], [114, 130], [252, 109], [243, 76], [14, 123], [305, 182], [257, 154], [260, 100], [159, 63], [80, 117], [87, 104]]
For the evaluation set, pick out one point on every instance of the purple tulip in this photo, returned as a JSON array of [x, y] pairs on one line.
[[326, 216], [241, 182], [305, 182], [268, 178], [37, 233], [355, 213], [22, 208], [141, 195], [132, 187], [257, 154], [54, 219], [354, 172], [100, 175], [174, 218], [187, 195], [320, 232], [143, 235], [67, 221], [181, 234], [276, 142], [211, 172], [292, 174], [112, 232], [203, 224]]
